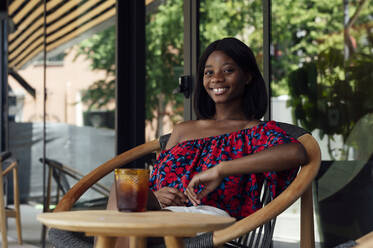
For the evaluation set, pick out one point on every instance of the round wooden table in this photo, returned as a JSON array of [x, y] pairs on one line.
[[107, 224]]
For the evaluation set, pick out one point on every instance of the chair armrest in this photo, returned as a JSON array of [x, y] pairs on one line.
[[365, 241], [307, 234]]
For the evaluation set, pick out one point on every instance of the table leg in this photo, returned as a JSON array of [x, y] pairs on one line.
[[105, 242], [174, 242], [137, 242]]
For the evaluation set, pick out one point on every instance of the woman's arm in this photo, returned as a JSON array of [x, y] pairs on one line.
[[277, 158], [168, 196]]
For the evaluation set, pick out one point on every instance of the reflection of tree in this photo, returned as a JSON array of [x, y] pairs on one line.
[[324, 99], [333, 91]]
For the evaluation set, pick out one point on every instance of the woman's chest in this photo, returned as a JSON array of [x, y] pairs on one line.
[[205, 129]]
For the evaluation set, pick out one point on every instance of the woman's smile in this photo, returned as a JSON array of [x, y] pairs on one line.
[[220, 91]]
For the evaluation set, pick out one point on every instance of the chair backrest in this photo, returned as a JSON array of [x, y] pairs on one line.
[[58, 175], [3, 227]]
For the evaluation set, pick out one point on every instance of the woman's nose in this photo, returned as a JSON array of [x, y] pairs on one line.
[[217, 77]]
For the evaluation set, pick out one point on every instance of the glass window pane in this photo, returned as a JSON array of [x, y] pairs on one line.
[[25, 96], [321, 80], [164, 65], [80, 103]]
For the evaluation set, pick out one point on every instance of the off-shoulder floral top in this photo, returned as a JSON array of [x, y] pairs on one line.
[[238, 195]]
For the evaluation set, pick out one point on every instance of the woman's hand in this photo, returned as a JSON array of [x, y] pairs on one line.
[[168, 196], [210, 179]]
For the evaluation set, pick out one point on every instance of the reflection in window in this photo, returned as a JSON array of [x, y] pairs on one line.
[[77, 135]]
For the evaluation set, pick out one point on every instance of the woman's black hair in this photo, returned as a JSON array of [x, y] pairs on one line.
[[255, 96]]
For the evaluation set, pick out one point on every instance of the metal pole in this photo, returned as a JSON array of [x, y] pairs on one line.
[[44, 229], [4, 75], [191, 50], [267, 53]]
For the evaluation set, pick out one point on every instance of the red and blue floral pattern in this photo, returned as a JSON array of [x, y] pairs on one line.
[[238, 195]]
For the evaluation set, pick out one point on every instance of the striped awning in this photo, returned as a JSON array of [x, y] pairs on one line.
[[66, 20]]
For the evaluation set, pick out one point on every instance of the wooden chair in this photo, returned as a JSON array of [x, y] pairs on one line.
[[7, 212], [300, 187], [59, 173]]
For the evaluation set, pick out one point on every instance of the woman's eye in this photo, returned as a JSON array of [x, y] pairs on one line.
[[208, 73], [229, 70]]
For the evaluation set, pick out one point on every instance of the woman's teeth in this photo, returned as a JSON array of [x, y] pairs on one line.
[[219, 90]]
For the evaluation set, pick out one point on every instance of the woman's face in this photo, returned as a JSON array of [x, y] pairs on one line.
[[223, 79]]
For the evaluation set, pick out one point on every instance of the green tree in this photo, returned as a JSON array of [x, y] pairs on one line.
[[164, 60], [300, 31]]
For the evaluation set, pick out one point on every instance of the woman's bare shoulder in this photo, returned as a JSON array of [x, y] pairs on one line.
[[189, 124], [181, 131]]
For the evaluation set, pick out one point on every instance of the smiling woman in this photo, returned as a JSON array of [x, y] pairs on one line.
[[223, 158], [219, 153], [225, 65]]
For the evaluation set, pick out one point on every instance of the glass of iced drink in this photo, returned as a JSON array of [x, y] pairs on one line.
[[132, 189]]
